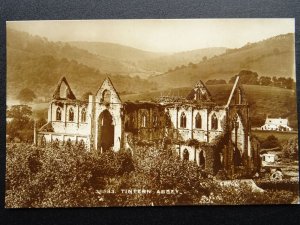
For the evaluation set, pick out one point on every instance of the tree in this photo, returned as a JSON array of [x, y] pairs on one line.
[[246, 77], [266, 81], [26, 95], [215, 81], [270, 142], [290, 149], [204, 58], [21, 125]]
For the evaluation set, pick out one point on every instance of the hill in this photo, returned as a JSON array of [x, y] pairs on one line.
[[145, 62], [270, 57], [263, 100], [116, 51], [105, 57], [29, 45], [34, 62], [180, 59]]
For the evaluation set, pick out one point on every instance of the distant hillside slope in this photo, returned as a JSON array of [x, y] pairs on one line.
[[26, 44], [263, 100], [271, 57], [34, 62], [105, 57], [169, 62], [147, 62], [116, 51]]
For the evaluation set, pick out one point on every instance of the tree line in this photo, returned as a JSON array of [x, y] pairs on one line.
[[252, 78]]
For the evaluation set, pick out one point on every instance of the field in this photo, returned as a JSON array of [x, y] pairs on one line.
[[282, 136]]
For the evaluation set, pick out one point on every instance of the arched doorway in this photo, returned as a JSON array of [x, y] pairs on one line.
[[201, 160], [105, 131]]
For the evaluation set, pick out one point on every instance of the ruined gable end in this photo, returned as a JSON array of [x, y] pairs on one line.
[[63, 90], [199, 93], [237, 95], [107, 93]]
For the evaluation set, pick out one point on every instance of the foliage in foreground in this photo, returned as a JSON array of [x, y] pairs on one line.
[[69, 176]]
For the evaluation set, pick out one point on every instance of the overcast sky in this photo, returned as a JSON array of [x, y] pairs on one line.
[[161, 35]]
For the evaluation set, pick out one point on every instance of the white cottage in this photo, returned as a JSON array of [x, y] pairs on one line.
[[277, 124]]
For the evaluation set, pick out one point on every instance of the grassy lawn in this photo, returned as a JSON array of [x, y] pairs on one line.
[[282, 136]]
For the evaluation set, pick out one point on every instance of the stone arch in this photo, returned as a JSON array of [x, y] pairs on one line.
[[69, 143], [202, 160], [214, 122], [83, 115], [81, 144], [237, 133], [183, 120], [43, 141], [58, 114], [105, 131], [238, 97], [185, 154], [168, 121], [155, 121], [55, 143], [198, 121], [71, 114], [144, 120]]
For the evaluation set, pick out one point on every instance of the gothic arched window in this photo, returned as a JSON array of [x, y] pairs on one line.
[[155, 120], [185, 154], [167, 120], [71, 114], [106, 96], [198, 121], [83, 115], [58, 114], [144, 120], [183, 120], [214, 122]]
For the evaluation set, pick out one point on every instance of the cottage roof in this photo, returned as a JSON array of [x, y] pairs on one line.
[[276, 121]]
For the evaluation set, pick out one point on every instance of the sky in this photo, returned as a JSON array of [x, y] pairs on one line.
[[160, 35]]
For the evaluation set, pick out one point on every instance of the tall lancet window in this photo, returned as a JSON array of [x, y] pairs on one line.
[[58, 114], [214, 122], [106, 96], [198, 122], [168, 120], [183, 120], [240, 96], [71, 115], [83, 115], [144, 120]]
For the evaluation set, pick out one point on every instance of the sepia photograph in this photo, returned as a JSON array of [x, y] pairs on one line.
[[151, 112]]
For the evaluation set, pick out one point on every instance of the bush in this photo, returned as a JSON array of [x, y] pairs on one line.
[[286, 185], [270, 142], [72, 177], [59, 177], [290, 149]]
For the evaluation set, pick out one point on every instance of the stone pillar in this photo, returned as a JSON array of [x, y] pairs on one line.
[[34, 134], [192, 120]]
